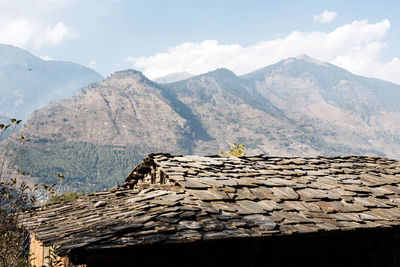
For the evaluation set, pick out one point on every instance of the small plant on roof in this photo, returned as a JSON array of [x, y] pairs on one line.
[[236, 150], [63, 197]]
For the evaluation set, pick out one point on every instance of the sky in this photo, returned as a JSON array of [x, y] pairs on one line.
[[159, 37]]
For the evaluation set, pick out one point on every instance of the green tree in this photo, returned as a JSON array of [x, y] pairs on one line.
[[15, 198]]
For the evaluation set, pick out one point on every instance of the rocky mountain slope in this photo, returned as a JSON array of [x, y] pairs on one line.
[[28, 82], [358, 112], [125, 109], [230, 113]]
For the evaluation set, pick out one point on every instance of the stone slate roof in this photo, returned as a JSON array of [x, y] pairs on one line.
[[175, 199]]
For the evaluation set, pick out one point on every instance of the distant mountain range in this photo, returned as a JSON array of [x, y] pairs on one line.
[[298, 106], [174, 77], [28, 82]]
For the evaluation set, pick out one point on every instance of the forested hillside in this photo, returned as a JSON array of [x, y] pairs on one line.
[[86, 166]]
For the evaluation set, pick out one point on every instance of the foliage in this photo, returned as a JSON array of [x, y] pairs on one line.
[[15, 198], [236, 150]]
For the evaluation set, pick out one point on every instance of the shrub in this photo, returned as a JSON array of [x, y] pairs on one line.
[[63, 197], [236, 150], [15, 198]]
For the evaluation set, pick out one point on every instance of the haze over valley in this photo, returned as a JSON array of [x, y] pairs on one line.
[[28, 82]]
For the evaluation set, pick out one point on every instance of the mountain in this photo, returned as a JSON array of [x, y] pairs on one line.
[[199, 115], [231, 113], [95, 137], [355, 111], [28, 82], [298, 106], [125, 109], [174, 77]]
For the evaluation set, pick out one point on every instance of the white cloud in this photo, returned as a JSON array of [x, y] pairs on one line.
[[54, 35], [356, 47], [24, 33], [32, 24], [92, 64], [47, 58], [17, 32], [200, 57], [326, 16]]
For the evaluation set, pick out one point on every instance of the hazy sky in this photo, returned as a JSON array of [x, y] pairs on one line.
[[162, 37]]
